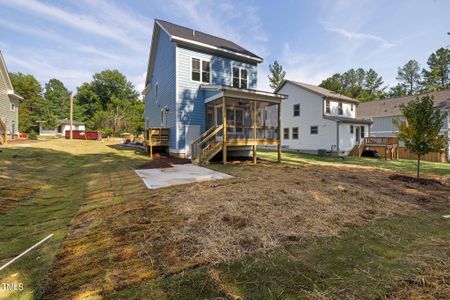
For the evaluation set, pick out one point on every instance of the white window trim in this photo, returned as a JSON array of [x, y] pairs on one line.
[[299, 110], [190, 70], [310, 130], [298, 133], [288, 133], [240, 68], [329, 106]]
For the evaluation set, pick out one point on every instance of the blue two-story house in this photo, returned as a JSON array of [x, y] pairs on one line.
[[192, 76]]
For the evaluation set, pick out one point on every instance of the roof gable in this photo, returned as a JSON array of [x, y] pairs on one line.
[[318, 90], [196, 39], [4, 75]]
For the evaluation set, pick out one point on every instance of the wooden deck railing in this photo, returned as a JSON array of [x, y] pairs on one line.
[[381, 141], [156, 137]]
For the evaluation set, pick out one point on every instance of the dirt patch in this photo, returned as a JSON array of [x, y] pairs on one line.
[[13, 194], [163, 161], [410, 179]]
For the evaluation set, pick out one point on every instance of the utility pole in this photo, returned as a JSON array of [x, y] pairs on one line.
[[71, 117]]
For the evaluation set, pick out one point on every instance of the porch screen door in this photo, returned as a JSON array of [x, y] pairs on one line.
[[218, 115]]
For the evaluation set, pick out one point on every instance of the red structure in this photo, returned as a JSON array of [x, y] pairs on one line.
[[81, 135]]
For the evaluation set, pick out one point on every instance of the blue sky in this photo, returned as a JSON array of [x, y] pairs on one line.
[[71, 40]]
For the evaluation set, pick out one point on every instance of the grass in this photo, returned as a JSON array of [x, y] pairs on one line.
[[58, 175], [115, 239], [401, 165], [364, 263]]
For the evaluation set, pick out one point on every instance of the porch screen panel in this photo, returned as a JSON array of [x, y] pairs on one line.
[[267, 121], [239, 119]]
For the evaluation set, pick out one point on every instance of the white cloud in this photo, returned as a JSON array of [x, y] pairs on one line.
[[358, 36], [82, 22]]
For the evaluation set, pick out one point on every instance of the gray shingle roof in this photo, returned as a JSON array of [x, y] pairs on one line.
[[392, 107], [319, 90], [204, 38]]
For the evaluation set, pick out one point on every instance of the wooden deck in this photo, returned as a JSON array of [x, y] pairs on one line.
[[388, 145], [156, 137]]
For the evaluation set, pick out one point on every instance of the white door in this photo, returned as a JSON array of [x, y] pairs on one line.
[[191, 133]]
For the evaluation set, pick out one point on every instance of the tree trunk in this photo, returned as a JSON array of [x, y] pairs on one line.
[[418, 166]]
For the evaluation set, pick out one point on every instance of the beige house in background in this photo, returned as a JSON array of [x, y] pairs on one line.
[[9, 105]]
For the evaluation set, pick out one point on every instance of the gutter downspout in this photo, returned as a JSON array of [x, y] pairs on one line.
[[337, 138]]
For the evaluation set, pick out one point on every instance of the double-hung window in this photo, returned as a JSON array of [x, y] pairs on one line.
[[351, 129], [200, 70], [295, 133], [340, 109], [296, 110], [327, 107], [314, 130], [362, 132], [286, 133], [240, 78], [13, 106]]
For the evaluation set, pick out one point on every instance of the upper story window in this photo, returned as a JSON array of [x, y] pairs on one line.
[[340, 109], [200, 70], [296, 110], [327, 107], [240, 78], [351, 107], [13, 106]]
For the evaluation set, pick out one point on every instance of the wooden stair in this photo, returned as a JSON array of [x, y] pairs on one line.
[[208, 145], [357, 150], [3, 133]]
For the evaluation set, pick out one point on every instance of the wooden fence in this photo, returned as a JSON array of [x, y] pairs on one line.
[[403, 153]]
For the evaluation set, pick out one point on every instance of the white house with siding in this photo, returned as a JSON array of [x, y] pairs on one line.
[[314, 118], [383, 112], [9, 102]]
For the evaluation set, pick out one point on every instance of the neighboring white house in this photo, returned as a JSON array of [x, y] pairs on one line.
[[314, 118], [382, 112], [60, 130]]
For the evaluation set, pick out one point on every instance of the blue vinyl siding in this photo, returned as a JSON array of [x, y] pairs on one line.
[[191, 100], [164, 74]]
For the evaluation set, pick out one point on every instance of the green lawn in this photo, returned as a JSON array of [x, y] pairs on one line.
[[402, 165]]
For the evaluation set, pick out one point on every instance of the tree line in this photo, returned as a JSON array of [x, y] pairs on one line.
[[367, 85], [109, 103]]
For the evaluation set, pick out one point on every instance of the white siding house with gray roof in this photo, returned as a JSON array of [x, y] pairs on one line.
[[383, 112], [314, 118]]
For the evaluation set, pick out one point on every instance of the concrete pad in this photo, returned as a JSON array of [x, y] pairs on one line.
[[178, 174]]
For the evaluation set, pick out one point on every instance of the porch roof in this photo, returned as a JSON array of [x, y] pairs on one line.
[[228, 91], [348, 120]]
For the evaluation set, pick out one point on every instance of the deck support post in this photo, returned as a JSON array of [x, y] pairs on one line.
[[224, 122], [279, 133], [254, 131]]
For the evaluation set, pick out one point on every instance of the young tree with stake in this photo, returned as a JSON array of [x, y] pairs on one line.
[[421, 129]]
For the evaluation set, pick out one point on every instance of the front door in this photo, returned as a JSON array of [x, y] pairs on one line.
[[218, 115], [192, 133], [358, 135]]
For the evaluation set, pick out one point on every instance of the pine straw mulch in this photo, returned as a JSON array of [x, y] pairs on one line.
[[269, 205]]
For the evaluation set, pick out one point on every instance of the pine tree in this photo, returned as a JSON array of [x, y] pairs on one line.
[[276, 75]]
